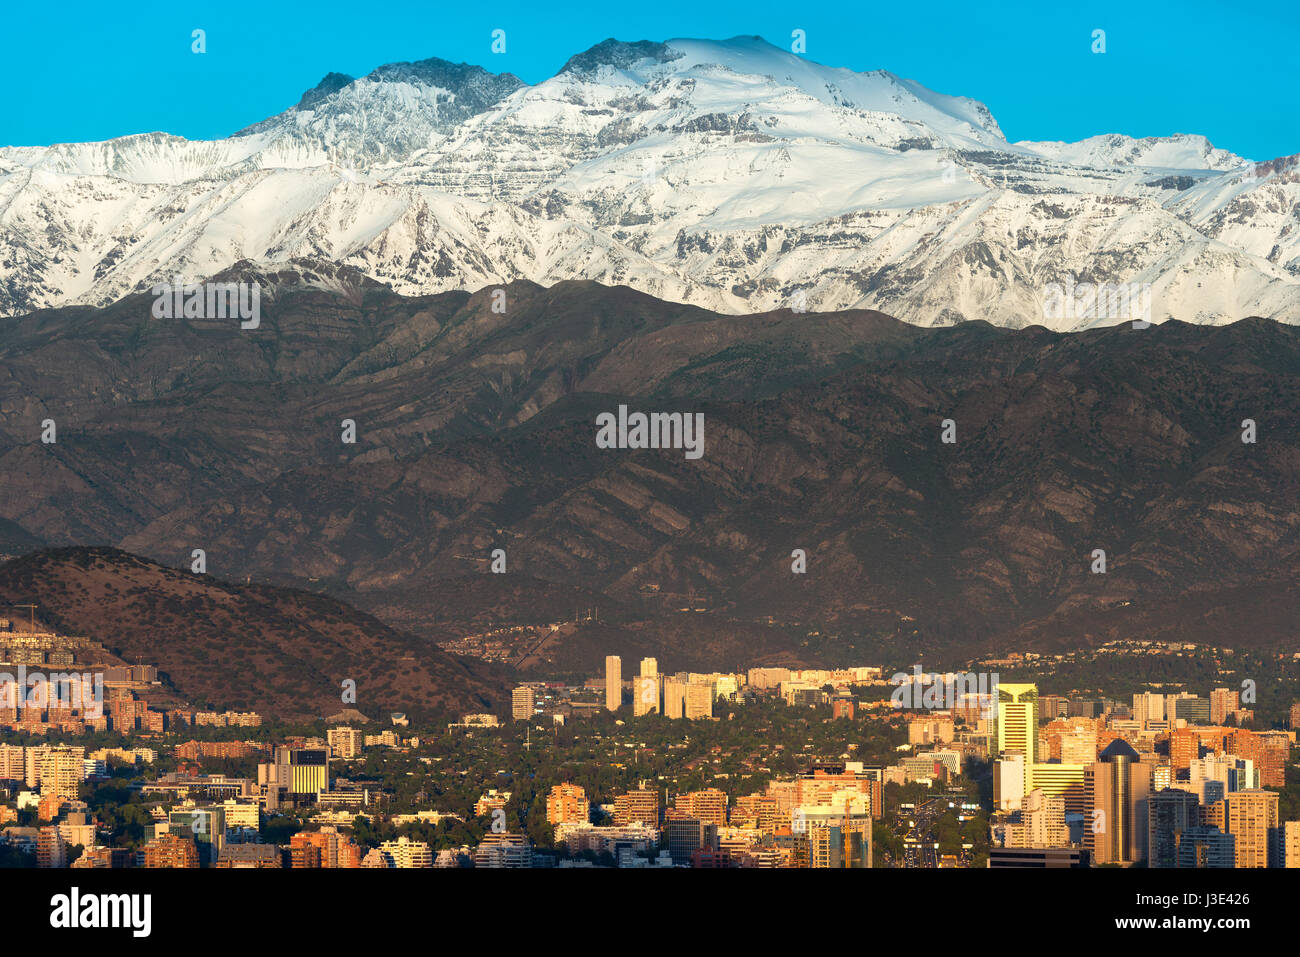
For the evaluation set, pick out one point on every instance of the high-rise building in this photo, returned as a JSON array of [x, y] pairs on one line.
[[640, 806], [504, 850], [1116, 788], [171, 850], [1171, 813], [1184, 748], [649, 667], [832, 837], [1251, 819], [406, 853], [323, 848], [206, 825], [645, 694], [1192, 708], [698, 701], [51, 849], [830, 785], [345, 742], [567, 804], [1017, 720], [1224, 703], [1043, 819], [1289, 854], [708, 806], [56, 769], [1008, 781], [523, 701], [300, 771], [684, 836], [13, 762], [613, 682], [1204, 846], [674, 699], [1148, 706]]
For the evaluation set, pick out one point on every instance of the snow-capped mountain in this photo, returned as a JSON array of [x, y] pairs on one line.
[[729, 174]]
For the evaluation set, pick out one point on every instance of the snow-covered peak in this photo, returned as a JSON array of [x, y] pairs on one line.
[[382, 118], [619, 55], [730, 173], [1113, 150]]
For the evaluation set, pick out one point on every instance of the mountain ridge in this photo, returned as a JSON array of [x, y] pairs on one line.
[[731, 175], [823, 432]]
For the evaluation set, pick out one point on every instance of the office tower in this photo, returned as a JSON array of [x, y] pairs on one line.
[[302, 771], [699, 701], [344, 742], [1171, 813], [684, 836], [613, 682], [1295, 716], [640, 806], [1017, 720], [567, 804], [645, 694], [1251, 817], [1057, 778], [1117, 788], [1192, 709], [522, 702], [649, 667], [205, 825]]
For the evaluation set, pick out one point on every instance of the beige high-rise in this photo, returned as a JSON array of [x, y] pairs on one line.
[[1251, 818], [645, 694], [613, 682]]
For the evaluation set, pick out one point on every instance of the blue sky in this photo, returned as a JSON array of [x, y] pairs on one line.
[[92, 71]]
